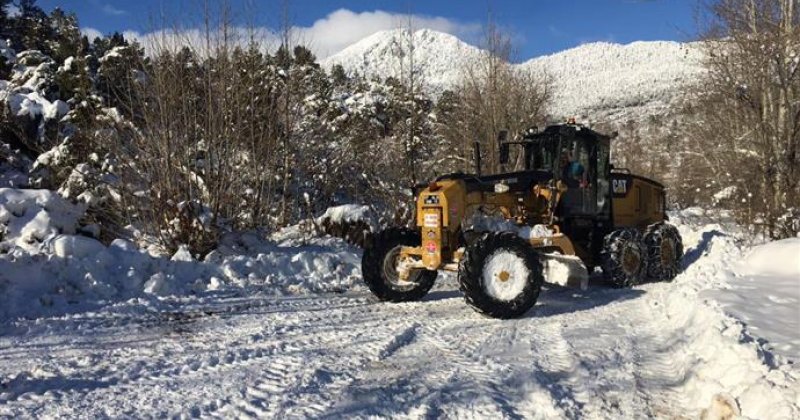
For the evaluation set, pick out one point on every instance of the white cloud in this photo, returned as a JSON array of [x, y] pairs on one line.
[[324, 37], [113, 11], [343, 27], [108, 8]]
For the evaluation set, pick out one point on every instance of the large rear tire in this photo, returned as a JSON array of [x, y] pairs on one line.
[[664, 251], [379, 267], [624, 258], [501, 275]]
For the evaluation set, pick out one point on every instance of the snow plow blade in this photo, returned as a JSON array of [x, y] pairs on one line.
[[565, 270]]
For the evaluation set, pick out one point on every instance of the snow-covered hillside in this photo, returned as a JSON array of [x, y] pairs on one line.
[[604, 81], [600, 81], [439, 57]]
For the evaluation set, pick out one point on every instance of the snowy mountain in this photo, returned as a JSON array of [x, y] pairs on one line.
[[439, 57], [614, 81], [599, 80]]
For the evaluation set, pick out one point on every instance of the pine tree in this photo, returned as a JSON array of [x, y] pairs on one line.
[[32, 28], [66, 41], [5, 21]]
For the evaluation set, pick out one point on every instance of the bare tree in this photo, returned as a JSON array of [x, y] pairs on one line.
[[746, 122], [209, 136], [497, 97]]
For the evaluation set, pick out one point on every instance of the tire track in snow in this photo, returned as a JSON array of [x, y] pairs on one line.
[[555, 369], [144, 376], [463, 359], [312, 390]]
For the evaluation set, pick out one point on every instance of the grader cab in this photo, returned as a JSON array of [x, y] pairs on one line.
[[562, 198]]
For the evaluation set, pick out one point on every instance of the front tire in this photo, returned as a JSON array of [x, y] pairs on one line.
[[379, 267], [664, 251], [501, 275], [624, 258]]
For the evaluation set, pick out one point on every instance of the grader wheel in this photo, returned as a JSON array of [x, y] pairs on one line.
[[501, 275], [664, 251], [379, 267], [624, 258]]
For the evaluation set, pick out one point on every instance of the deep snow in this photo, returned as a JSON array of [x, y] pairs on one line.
[[257, 349], [46, 269], [763, 292]]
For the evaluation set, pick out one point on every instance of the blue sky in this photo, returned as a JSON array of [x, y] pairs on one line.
[[538, 26]]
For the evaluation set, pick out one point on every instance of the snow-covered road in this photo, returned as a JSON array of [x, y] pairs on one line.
[[658, 350]]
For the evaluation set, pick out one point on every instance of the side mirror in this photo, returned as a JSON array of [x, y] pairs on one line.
[[504, 149]]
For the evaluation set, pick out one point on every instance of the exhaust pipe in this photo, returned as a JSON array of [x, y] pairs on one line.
[[476, 157]]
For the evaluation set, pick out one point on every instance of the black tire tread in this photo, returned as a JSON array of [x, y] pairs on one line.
[[652, 239], [611, 257], [372, 266], [471, 269]]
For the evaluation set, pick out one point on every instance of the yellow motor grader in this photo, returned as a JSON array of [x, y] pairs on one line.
[[496, 230]]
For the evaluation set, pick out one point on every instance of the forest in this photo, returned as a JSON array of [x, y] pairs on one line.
[[176, 143]]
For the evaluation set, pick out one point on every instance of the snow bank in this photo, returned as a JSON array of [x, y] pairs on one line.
[[779, 258], [45, 269], [83, 274], [763, 292], [719, 352], [31, 219]]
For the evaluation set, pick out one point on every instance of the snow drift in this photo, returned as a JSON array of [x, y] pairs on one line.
[[46, 269], [763, 292]]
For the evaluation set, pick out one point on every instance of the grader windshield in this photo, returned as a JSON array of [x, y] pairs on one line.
[[578, 157]]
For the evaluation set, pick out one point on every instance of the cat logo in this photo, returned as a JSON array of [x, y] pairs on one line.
[[620, 186]]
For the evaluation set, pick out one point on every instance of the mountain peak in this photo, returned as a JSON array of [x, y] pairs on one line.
[[439, 58], [599, 79]]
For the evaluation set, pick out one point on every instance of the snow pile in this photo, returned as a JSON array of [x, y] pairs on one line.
[[764, 293], [82, 274], [714, 351], [46, 269], [779, 258], [350, 213], [565, 270], [31, 219]]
